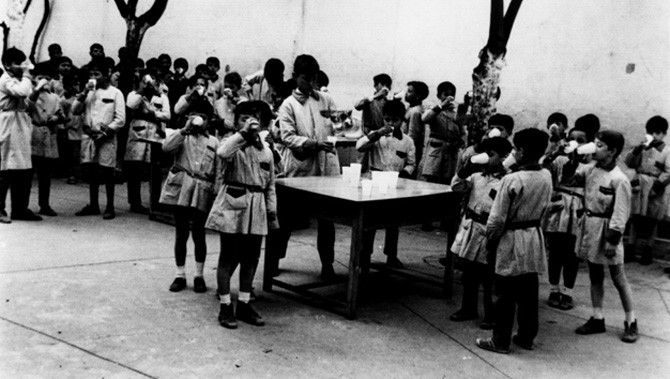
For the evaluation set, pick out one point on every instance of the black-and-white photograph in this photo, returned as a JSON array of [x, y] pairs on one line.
[[334, 189]]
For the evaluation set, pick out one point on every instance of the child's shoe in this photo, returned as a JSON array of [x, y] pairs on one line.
[[109, 214], [566, 303], [630, 332], [88, 210], [521, 343], [245, 312], [593, 326], [47, 211], [227, 316], [178, 284], [554, 299], [394, 262], [488, 344], [199, 284], [4, 218], [461, 315]]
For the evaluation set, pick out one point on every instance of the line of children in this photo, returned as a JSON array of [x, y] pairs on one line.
[[388, 149]]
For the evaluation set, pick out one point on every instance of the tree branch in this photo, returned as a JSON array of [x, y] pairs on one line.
[[5, 36], [510, 16], [154, 13], [496, 31], [25, 8], [40, 29], [123, 8], [132, 7]]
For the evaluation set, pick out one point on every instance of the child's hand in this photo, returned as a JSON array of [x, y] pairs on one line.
[[610, 250]]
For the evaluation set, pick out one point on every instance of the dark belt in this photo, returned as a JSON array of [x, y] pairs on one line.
[[480, 218], [176, 168], [527, 224], [441, 138], [590, 213], [569, 192], [249, 187]]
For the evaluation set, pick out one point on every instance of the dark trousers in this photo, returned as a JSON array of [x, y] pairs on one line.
[[390, 244], [238, 249], [72, 157], [96, 174], [474, 275], [18, 183], [44, 169], [189, 221], [135, 171], [515, 295], [562, 257]]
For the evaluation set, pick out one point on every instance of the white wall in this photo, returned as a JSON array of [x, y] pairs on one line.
[[567, 55]]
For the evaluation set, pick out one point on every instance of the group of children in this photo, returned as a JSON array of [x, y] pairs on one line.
[[231, 137]]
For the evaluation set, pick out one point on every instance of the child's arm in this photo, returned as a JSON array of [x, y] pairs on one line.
[[134, 100], [634, 157], [163, 114], [362, 104], [20, 89], [182, 104], [174, 140], [430, 114], [119, 112], [417, 132], [303, 145], [495, 226], [231, 145], [462, 185], [620, 214], [367, 142], [410, 162], [572, 177], [664, 178]]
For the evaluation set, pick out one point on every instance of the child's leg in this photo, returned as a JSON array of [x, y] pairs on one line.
[[4, 188], [92, 177], [199, 241], [486, 275], [505, 307], [20, 190], [108, 178], [181, 227], [554, 261], [325, 243], [570, 264], [43, 169], [470, 288], [625, 293], [527, 293], [249, 255], [597, 277], [229, 258], [133, 170], [391, 242]]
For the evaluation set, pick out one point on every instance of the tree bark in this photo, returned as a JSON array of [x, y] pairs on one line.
[[40, 29]]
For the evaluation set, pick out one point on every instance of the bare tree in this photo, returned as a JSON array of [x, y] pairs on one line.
[[137, 27], [40, 28], [486, 76]]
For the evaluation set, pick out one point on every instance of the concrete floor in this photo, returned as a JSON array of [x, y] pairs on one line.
[[83, 297]]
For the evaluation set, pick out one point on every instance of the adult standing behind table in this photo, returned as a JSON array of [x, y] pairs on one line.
[[150, 109], [104, 112], [304, 131], [15, 135]]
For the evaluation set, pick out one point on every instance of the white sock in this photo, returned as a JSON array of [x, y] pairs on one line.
[[181, 272], [598, 313], [225, 299], [630, 317], [555, 288], [567, 291], [199, 267], [244, 297]]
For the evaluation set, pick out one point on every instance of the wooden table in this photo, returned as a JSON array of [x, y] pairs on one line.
[[412, 202]]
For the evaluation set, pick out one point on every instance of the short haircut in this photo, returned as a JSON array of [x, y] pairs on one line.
[[420, 88], [273, 67], [499, 145], [99, 64], [139, 62], [165, 56], [110, 62], [533, 142], [613, 140], [233, 78], [97, 46], [258, 108], [447, 88], [181, 62], [213, 60], [64, 59], [382, 79], [506, 121], [305, 64], [201, 67], [193, 80], [322, 79], [589, 124], [201, 105], [657, 124], [394, 108], [557, 118], [54, 47], [13, 56]]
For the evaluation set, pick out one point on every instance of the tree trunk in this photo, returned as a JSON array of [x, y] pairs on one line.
[[134, 36]]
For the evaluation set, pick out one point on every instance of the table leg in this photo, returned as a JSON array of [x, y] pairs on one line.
[[354, 264]]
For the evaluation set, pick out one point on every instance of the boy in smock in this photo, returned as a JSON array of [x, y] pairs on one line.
[[607, 199], [372, 107], [244, 210], [481, 189], [516, 244], [189, 187], [389, 149]]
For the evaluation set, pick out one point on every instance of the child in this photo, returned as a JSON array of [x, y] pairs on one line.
[[500, 125], [179, 82], [516, 244], [15, 135], [266, 85], [389, 150], [651, 161], [47, 114], [372, 106], [557, 124], [150, 109], [607, 197], [189, 187], [244, 210], [224, 108], [470, 242], [73, 127], [215, 87], [104, 113], [446, 137], [415, 94], [322, 81], [304, 132], [563, 224]]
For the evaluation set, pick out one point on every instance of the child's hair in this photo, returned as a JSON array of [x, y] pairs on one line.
[[64, 59], [506, 121], [499, 145], [322, 79], [99, 65], [447, 88], [201, 68], [152, 63], [110, 62], [613, 140], [181, 62], [420, 88], [394, 109], [305, 64], [165, 56], [201, 105], [214, 61], [273, 69], [193, 80], [382, 79], [13, 56], [96, 46], [533, 142], [557, 118], [233, 78], [657, 124], [139, 62], [257, 108], [54, 47], [589, 124]]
